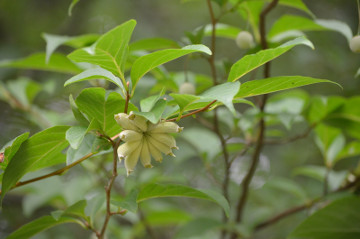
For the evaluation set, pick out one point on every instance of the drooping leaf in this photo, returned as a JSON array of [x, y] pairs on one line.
[[95, 105], [273, 84], [75, 135], [223, 93], [156, 190], [37, 61], [338, 220], [298, 4], [39, 225], [151, 44], [148, 62], [96, 73], [41, 150], [109, 51], [54, 41], [253, 61], [337, 26]]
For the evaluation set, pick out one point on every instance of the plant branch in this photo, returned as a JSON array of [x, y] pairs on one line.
[[300, 208], [260, 139], [294, 138]]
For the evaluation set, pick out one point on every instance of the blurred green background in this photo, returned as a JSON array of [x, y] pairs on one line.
[[23, 21]]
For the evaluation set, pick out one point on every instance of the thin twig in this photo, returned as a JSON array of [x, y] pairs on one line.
[[294, 138], [194, 112]]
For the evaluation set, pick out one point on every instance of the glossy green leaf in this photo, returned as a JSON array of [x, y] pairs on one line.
[[154, 115], [148, 103], [95, 105], [273, 84], [129, 202], [96, 73], [338, 220], [11, 148], [39, 225], [57, 63], [253, 61], [223, 93], [54, 41], [43, 149], [292, 22], [87, 146], [148, 62], [109, 51], [151, 44], [156, 190], [222, 30]]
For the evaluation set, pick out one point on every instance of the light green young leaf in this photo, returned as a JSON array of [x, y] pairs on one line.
[[154, 115], [39, 225], [223, 93], [148, 103], [148, 62], [43, 149], [253, 61], [151, 44], [110, 51], [338, 220], [156, 190], [273, 84], [96, 73], [54, 41], [85, 147], [94, 104], [37, 61], [168, 217], [298, 4], [76, 112], [350, 150]]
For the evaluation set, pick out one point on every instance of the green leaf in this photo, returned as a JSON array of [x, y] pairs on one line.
[[96, 73], [54, 41], [43, 149], [250, 11], [39, 225], [298, 4], [148, 62], [110, 51], [168, 217], [338, 220], [151, 44], [273, 84], [292, 22], [57, 63], [350, 150], [184, 100], [223, 93], [288, 186], [198, 227], [11, 148], [75, 135], [156, 190], [148, 103], [253, 61], [85, 147], [222, 30], [93, 103], [154, 115], [24, 90], [129, 202], [321, 107]]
